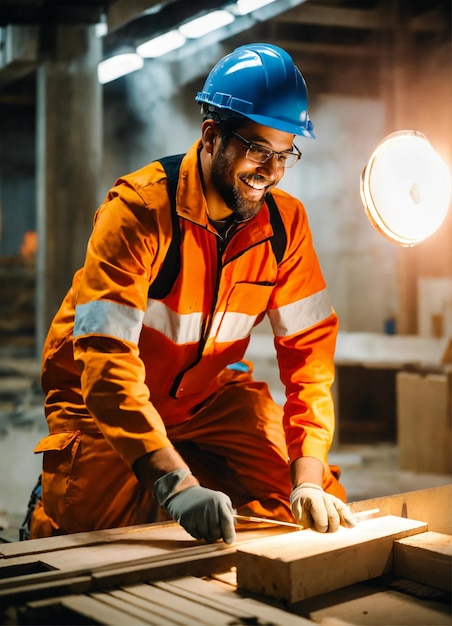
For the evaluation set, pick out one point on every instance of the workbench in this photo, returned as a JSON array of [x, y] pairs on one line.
[[393, 568]]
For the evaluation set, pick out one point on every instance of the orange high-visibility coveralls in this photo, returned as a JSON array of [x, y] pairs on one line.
[[125, 374]]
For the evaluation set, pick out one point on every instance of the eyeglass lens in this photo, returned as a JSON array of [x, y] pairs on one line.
[[260, 154]]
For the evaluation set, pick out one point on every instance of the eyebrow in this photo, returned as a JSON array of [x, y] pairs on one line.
[[258, 139]]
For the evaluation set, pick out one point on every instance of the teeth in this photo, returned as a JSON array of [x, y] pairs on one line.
[[252, 183]]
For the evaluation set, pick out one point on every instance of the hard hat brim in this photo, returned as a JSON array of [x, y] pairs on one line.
[[287, 127]]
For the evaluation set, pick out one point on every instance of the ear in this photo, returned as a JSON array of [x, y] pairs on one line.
[[208, 134]]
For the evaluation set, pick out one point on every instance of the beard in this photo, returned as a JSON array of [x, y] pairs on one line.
[[223, 183]]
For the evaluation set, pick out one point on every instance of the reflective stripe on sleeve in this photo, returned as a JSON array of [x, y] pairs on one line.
[[102, 317], [298, 316], [180, 328]]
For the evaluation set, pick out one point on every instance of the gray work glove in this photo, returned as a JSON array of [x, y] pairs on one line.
[[314, 508], [204, 513]]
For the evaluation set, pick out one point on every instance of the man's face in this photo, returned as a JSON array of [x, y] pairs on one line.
[[241, 183]]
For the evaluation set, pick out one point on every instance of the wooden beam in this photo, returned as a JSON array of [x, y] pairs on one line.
[[338, 17], [433, 21], [430, 21], [430, 505], [19, 54], [426, 559], [121, 12], [336, 51], [304, 564]]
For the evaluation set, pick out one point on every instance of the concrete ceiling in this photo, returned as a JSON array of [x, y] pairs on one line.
[[329, 39]]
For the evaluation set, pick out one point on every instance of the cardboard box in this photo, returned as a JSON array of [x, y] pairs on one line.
[[424, 421]]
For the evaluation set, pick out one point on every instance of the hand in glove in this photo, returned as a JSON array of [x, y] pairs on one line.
[[204, 513], [313, 507]]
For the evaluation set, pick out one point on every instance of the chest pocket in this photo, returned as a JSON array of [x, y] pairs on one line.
[[245, 303]]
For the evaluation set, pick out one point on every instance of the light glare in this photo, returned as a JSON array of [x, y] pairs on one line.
[[117, 66], [158, 46], [206, 24], [243, 7]]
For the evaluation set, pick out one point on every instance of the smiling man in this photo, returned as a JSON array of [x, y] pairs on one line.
[[152, 410]]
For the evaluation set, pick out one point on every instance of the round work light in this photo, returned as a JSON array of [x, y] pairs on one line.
[[406, 188]]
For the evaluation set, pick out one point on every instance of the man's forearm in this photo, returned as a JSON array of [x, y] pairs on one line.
[[152, 466], [307, 469]]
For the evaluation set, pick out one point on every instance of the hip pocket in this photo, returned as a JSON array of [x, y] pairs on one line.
[[59, 452]]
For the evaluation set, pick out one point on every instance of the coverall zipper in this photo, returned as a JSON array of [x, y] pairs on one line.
[[207, 323]]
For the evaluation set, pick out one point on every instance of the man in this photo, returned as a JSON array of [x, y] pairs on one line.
[[151, 409]]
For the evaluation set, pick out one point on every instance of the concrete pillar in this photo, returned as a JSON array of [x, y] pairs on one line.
[[69, 150]]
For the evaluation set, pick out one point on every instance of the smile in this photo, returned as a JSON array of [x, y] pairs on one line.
[[258, 184]]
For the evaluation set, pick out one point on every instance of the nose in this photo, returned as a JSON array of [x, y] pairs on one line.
[[273, 168]]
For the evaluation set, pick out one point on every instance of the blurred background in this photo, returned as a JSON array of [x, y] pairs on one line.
[[372, 67]]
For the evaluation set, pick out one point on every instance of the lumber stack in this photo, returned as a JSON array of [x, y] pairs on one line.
[[158, 574], [188, 601], [88, 562]]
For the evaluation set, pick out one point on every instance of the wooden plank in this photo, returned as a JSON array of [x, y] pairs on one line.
[[433, 505], [35, 589], [150, 611], [101, 613], [199, 564], [245, 609], [186, 601], [426, 559], [154, 533], [75, 609], [156, 538], [304, 564], [121, 554], [142, 602], [138, 549], [187, 611]]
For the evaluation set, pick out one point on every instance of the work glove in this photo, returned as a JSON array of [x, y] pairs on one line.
[[204, 513], [314, 508]]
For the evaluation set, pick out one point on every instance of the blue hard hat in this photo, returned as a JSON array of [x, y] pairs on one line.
[[260, 82]]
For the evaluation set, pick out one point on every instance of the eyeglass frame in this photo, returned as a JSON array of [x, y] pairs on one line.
[[270, 153]]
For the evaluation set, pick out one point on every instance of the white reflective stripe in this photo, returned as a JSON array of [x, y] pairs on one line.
[[186, 328], [298, 316], [180, 328], [102, 317], [234, 326]]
